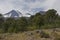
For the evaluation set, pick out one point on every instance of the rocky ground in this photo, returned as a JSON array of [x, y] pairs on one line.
[[43, 34]]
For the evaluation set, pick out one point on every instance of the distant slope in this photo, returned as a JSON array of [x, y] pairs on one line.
[[13, 13]]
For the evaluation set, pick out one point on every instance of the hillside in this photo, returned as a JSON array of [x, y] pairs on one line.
[[36, 27]]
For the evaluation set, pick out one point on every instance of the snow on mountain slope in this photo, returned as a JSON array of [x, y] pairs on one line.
[[15, 13]]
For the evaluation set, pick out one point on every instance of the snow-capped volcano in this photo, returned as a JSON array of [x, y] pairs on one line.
[[13, 13]]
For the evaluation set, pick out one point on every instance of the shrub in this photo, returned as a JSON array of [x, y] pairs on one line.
[[44, 35]]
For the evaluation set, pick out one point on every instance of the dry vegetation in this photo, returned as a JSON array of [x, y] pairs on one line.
[[44, 34]]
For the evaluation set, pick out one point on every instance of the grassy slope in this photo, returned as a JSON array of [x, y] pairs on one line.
[[28, 36]]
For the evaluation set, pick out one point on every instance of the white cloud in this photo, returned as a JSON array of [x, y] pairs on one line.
[[56, 6], [25, 6]]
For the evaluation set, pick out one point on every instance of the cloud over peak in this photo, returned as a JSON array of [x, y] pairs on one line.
[[28, 6]]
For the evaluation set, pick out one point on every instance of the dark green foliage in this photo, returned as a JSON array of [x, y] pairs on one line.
[[37, 20], [22, 24], [50, 16], [49, 20]]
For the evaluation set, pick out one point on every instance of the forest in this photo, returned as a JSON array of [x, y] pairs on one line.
[[49, 20]]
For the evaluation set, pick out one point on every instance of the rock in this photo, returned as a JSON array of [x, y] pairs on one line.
[[29, 33]]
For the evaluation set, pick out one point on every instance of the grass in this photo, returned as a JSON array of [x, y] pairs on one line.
[[31, 35]]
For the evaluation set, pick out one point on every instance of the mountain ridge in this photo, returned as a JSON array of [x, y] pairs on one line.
[[16, 13]]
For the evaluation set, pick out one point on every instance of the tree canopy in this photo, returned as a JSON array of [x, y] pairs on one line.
[[49, 20]]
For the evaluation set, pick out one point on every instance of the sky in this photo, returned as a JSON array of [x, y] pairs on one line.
[[29, 6]]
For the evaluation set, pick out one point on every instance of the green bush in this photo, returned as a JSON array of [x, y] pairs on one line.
[[29, 28]]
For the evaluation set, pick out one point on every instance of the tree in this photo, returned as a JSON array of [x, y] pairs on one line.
[[37, 21], [1, 19], [1, 22], [50, 16], [22, 24], [8, 25]]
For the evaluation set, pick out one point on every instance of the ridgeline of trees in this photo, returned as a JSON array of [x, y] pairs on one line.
[[49, 20]]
